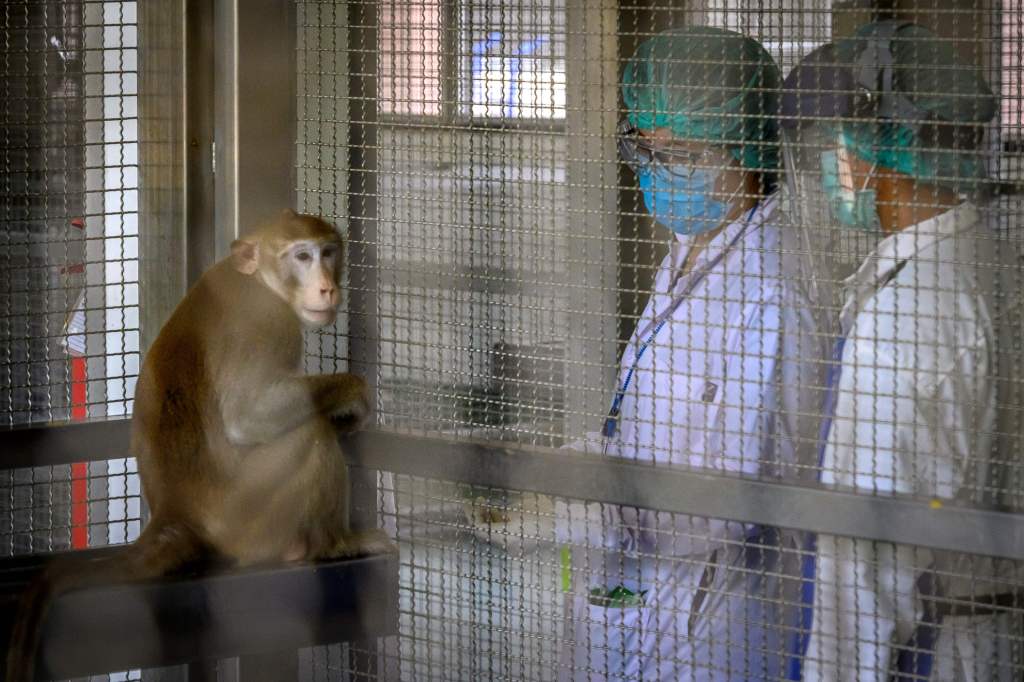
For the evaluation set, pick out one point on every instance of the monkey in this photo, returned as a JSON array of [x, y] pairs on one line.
[[237, 449]]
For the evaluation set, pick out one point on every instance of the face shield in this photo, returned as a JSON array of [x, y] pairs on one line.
[[827, 188], [872, 100], [828, 184], [804, 209]]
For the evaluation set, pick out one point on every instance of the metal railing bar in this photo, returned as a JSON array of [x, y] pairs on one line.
[[575, 475], [690, 491], [64, 443]]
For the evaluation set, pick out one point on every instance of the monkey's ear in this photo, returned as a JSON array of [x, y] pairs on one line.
[[288, 213], [245, 255]]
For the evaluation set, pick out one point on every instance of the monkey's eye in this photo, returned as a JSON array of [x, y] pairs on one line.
[[327, 253], [303, 257]]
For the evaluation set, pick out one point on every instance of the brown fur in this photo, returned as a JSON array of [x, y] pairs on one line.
[[236, 449]]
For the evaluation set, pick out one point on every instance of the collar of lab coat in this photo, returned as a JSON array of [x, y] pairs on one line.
[[670, 284], [898, 248]]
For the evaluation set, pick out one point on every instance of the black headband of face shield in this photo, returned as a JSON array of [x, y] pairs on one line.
[[821, 87]]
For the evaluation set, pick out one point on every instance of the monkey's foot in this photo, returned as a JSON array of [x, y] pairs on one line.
[[363, 543]]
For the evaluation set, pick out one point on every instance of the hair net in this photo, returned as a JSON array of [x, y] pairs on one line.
[[707, 84], [953, 101]]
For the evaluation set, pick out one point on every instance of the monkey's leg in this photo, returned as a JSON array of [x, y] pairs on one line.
[[361, 543], [330, 534]]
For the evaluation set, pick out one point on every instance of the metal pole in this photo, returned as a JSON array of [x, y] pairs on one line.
[[199, 92], [591, 106], [364, 337]]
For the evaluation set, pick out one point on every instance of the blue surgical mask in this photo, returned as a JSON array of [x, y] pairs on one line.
[[854, 209], [682, 201]]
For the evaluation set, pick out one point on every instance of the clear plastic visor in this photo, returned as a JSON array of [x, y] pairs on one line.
[[820, 168], [821, 173]]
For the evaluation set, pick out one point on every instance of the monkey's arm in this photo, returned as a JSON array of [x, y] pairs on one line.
[[259, 416]]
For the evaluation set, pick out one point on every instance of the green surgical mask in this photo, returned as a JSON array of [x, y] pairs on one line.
[[855, 209]]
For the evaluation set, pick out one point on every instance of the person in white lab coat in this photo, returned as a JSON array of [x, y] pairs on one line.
[[722, 373], [913, 403]]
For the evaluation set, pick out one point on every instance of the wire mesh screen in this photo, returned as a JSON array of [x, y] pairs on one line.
[[69, 279], [772, 242], [514, 586], [775, 240]]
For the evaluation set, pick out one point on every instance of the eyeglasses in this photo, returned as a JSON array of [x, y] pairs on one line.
[[639, 153]]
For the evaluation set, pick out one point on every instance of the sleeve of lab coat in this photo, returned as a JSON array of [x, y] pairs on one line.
[[864, 601], [771, 380], [910, 437]]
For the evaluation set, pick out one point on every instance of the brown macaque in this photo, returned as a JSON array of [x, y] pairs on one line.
[[237, 450]]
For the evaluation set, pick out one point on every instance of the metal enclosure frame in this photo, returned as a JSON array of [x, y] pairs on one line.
[[222, 102], [237, 153]]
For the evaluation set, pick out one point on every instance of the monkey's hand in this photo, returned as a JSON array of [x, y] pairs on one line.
[[348, 402]]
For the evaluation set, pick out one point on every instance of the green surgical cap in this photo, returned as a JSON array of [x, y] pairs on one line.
[[949, 95], [707, 84]]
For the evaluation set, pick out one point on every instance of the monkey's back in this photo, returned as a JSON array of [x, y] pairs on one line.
[[178, 433]]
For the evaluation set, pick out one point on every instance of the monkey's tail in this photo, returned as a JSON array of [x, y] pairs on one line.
[[159, 550]]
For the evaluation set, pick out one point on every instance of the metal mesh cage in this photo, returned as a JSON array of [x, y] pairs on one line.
[[693, 328], [69, 283], [497, 166]]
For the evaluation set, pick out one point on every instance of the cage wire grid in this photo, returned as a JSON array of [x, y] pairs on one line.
[[69, 280], [505, 273], [514, 261], [70, 285]]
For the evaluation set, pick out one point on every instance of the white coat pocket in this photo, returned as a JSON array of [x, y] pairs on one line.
[[607, 640], [696, 413]]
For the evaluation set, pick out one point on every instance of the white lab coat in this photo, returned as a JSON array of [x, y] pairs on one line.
[[914, 414], [731, 384]]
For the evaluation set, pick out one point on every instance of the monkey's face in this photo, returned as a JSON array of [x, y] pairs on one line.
[[299, 258], [306, 275]]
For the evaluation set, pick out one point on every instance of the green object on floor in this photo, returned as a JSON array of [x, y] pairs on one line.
[[619, 597]]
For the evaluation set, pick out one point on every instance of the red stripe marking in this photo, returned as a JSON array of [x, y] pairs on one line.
[[79, 470]]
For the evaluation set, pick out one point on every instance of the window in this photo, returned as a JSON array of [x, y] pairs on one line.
[[409, 65], [788, 35], [505, 60], [516, 64]]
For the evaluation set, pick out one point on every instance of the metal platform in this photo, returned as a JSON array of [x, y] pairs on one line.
[[208, 616]]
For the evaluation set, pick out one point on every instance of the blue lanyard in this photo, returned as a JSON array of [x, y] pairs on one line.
[[612, 420], [807, 564]]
